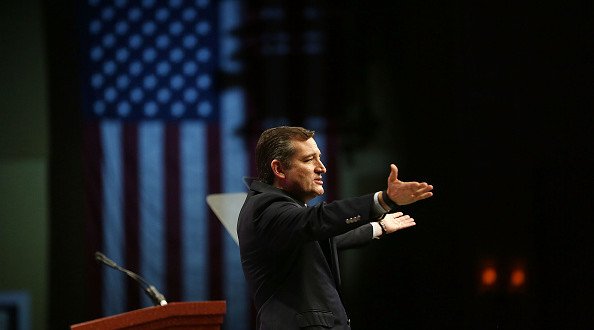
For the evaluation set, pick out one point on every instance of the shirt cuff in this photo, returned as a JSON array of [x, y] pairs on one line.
[[377, 229], [376, 204]]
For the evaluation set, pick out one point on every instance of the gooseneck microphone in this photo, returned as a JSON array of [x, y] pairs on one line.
[[157, 298]]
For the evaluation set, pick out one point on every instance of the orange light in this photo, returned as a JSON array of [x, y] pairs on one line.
[[518, 277], [489, 276]]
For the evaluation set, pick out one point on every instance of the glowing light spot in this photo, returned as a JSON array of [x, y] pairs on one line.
[[518, 277], [488, 276]]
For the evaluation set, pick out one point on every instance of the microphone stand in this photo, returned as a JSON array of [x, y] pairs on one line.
[[157, 298]]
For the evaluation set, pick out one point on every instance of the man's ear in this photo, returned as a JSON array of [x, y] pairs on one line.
[[277, 169]]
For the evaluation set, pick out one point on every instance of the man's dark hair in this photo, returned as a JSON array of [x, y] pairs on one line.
[[276, 143]]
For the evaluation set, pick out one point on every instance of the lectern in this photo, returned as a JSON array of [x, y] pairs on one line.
[[203, 315]]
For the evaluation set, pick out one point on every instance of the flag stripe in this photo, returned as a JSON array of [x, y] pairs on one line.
[[194, 212], [93, 154], [235, 160], [234, 168], [130, 166], [152, 208], [111, 133], [172, 212], [214, 226]]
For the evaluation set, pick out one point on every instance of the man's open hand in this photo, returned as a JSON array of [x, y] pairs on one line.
[[403, 193], [397, 221]]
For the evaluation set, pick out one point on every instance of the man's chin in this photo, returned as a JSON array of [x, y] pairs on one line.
[[317, 193]]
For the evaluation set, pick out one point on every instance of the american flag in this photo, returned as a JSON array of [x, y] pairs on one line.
[[159, 137]]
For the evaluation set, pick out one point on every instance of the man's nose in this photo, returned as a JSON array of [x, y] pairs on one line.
[[321, 168]]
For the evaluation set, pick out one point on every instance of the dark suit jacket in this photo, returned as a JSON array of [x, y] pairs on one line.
[[289, 255]]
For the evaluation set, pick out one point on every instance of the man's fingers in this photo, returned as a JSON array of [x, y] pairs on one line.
[[424, 191], [423, 187], [398, 216], [407, 224], [398, 223], [402, 219], [424, 196]]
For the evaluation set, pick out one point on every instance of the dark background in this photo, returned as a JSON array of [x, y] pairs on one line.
[[489, 101], [492, 103]]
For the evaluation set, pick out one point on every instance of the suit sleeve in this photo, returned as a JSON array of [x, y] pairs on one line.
[[355, 238], [284, 224]]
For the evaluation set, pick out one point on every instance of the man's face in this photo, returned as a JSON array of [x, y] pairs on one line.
[[303, 179]]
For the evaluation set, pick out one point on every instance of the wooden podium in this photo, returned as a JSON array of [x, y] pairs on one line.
[[207, 315]]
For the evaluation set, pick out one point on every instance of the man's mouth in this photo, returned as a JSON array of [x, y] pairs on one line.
[[319, 181]]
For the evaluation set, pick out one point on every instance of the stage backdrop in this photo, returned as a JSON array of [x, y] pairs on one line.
[[160, 135]]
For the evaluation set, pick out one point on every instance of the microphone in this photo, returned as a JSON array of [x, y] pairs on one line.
[[157, 298]]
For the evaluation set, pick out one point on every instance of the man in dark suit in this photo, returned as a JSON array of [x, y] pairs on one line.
[[289, 250]]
